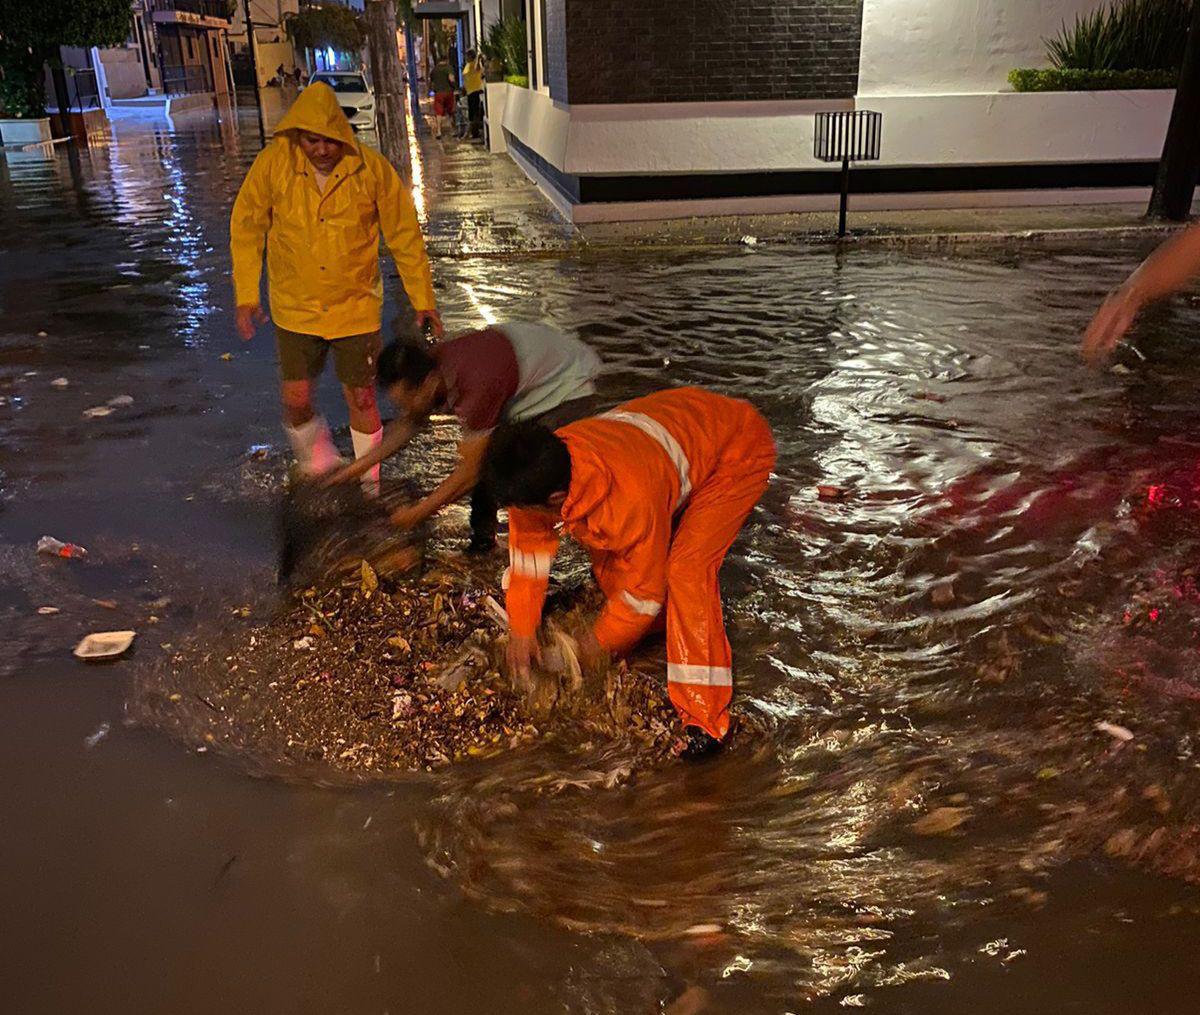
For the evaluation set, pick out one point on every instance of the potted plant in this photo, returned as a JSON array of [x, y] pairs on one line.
[[508, 67]]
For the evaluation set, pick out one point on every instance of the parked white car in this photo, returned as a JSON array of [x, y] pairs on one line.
[[354, 95]]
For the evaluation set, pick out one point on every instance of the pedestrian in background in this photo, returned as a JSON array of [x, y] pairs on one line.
[[442, 82], [473, 86], [318, 202]]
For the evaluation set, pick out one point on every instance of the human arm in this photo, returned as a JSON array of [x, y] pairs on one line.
[[395, 438], [402, 234], [462, 479], [248, 225], [1164, 272], [532, 544]]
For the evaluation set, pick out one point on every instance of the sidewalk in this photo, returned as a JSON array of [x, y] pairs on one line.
[[476, 203]]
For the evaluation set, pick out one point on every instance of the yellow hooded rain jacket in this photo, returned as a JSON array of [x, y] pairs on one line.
[[323, 247]]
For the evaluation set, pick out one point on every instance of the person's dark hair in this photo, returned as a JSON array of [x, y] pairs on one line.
[[406, 363], [470, 54], [526, 464]]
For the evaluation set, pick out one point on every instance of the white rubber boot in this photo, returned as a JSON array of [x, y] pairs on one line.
[[313, 447], [363, 444]]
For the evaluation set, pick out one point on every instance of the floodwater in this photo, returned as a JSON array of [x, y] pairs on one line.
[[932, 821]]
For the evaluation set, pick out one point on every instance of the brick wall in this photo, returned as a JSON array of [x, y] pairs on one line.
[[707, 50]]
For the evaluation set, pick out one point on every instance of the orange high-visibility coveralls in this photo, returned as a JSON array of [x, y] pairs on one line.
[[659, 489]]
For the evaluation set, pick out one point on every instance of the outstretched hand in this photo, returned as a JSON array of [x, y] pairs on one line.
[[249, 317], [521, 654], [1111, 323]]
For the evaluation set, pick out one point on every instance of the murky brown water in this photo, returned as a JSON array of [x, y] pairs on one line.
[[931, 824]]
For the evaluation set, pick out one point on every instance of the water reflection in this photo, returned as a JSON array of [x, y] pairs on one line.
[[924, 660]]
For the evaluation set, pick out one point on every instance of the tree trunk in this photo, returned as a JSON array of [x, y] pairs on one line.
[[1180, 164], [389, 85]]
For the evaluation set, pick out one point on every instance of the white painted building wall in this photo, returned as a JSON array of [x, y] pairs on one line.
[[951, 47], [936, 69]]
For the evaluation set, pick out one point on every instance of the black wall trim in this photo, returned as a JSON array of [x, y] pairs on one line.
[[923, 179], [565, 183]]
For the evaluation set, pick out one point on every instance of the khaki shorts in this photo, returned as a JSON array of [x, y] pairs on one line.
[[302, 357]]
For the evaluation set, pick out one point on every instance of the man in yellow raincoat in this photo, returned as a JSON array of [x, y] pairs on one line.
[[318, 201]]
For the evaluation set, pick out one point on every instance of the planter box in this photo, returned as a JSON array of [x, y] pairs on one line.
[[23, 132], [1022, 127], [497, 99]]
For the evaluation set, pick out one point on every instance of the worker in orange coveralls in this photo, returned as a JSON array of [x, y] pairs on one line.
[[656, 490]]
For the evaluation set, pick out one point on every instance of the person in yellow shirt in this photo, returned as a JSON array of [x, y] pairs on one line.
[[318, 201], [473, 86]]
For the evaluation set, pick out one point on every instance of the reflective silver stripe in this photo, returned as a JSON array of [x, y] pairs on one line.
[[709, 676], [646, 607], [654, 429], [531, 565]]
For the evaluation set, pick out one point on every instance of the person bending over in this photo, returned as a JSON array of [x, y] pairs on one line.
[[656, 490], [513, 371]]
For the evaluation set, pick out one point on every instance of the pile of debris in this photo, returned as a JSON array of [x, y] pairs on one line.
[[372, 674]]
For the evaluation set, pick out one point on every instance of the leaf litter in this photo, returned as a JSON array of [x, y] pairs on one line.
[[374, 672]]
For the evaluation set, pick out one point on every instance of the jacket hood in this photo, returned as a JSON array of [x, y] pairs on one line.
[[317, 110]]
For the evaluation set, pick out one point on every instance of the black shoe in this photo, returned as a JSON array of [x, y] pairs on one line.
[[699, 744]]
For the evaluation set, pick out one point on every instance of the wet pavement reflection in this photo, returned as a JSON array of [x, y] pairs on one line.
[[932, 819]]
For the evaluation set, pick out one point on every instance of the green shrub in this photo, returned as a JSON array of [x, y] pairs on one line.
[[1036, 80], [1126, 35], [520, 80], [511, 43]]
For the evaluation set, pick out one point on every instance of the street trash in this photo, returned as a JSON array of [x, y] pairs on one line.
[[369, 580], [108, 604], [414, 671], [60, 383], [827, 491], [121, 401], [48, 611], [943, 594], [749, 241], [941, 820], [101, 732], [226, 356], [43, 334], [1120, 369], [56, 548], [98, 411], [104, 645], [1115, 731]]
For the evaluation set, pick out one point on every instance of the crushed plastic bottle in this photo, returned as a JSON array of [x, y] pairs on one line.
[[57, 548]]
